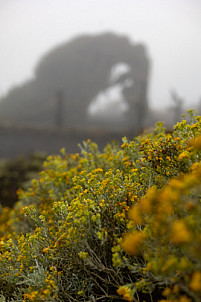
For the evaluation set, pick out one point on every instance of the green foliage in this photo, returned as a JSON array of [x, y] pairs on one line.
[[107, 226], [17, 173]]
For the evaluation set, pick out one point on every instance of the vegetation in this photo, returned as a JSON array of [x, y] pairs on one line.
[[16, 173], [123, 224]]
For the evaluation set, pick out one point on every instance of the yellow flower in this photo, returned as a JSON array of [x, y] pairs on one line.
[[46, 291], [135, 214], [52, 268], [184, 263], [175, 289], [167, 292], [170, 264], [176, 184], [133, 197], [128, 297], [83, 255], [125, 292], [180, 233], [184, 299], [190, 179], [98, 170], [132, 242], [195, 284], [183, 155], [31, 296], [149, 201], [124, 145], [81, 293], [117, 261], [196, 143], [194, 166]]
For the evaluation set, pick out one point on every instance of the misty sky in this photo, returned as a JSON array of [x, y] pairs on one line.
[[171, 29]]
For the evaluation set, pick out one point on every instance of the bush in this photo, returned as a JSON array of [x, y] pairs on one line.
[[119, 225], [18, 172]]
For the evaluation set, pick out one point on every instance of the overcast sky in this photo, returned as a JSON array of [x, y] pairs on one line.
[[171, 30]]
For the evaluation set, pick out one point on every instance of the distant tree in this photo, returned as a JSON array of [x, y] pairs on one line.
[[79, 69]]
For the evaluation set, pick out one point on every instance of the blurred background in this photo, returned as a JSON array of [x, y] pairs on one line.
[[73, 70]]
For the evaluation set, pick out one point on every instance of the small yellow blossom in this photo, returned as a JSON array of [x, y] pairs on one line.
[[195, 284], [167, 292], [46, 291], [183, 155], [136, 215], [175, 289], [196, 143], [180, 233], [170, 264], [184, 299], [194, 166], [52, 268], [125, 292], [83, 255], [132, 242]]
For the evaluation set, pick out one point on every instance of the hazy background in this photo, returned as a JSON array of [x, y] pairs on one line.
[[171, 30]]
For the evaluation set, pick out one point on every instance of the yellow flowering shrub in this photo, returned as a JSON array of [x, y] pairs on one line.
[[105, 226], [169, 222]]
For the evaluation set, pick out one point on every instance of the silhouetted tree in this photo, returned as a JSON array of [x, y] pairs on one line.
[[80, 70], [59, 108]]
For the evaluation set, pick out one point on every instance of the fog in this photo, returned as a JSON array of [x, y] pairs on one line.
[[111, 102], [169, 29]]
